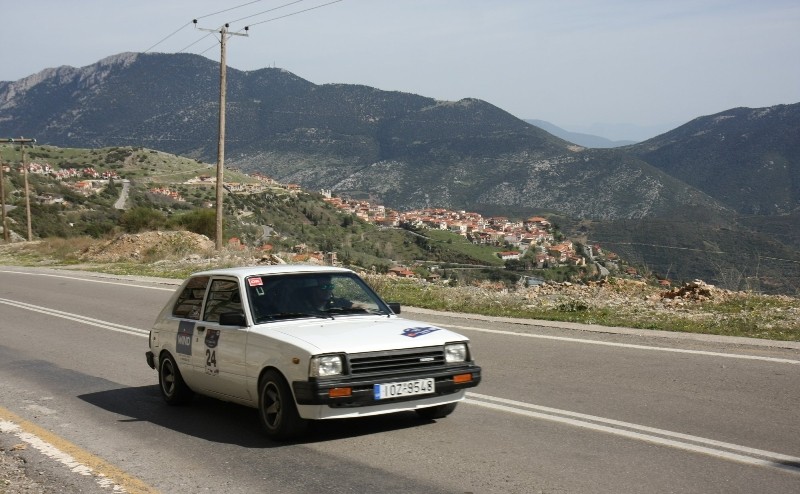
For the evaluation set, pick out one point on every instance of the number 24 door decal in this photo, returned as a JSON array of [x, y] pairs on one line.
[[211, 362], [212, 340]]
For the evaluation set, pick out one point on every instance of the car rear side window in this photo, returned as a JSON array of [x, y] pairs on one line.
[[222, 297], [191, 299]]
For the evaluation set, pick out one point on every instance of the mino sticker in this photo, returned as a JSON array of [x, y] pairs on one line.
[[255, 281], [183, 343], [414, 332]]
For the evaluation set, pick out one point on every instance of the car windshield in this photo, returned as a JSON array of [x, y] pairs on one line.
[[323, 295]]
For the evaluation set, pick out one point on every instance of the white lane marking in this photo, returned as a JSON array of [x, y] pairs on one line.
[[54, 453], [687, 442], [769, 459], [496, 331], [627, 345], [77, 317], [89, 280]]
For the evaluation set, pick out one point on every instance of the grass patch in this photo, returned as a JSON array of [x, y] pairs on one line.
[[738, 314], [617, 303]]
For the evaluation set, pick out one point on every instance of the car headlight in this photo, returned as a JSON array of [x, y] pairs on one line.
[[455, 352], [326, 365]]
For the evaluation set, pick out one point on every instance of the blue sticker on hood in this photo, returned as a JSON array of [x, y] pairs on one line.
[[414, 332]]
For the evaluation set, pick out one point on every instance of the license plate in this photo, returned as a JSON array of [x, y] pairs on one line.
[[405, 388]]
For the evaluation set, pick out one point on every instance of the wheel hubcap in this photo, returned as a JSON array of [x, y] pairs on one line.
[[272, 405], [167, 378]]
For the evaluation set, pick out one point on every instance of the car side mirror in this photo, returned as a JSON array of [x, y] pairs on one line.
[[395, 306], [232, 319]]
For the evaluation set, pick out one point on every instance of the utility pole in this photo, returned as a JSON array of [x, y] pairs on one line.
[[22, 141], [223, 38], [6, 236]]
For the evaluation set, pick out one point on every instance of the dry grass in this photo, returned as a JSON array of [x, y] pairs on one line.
[[618, 302]]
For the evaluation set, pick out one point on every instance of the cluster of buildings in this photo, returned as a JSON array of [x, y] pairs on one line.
[[88, 180], [262, 184], [166, 191], [70, 173], [519, 236]]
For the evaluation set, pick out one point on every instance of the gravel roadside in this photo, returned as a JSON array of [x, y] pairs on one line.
[[13, 476]]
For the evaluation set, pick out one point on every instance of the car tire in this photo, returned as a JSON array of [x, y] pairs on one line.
[[276, 408], [436, 412], [170, 382]]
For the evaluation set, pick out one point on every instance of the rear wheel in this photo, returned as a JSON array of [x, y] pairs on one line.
[[170, 381], [276, 408], [437, 412]]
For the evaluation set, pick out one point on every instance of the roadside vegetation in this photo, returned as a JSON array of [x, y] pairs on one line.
[[695, 307], [157, 235]]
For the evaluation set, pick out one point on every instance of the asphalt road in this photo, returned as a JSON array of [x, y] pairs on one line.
[[560, 410]]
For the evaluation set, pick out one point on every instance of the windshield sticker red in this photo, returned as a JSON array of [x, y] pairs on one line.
[[414, 332], [255, 281], [183, 342]]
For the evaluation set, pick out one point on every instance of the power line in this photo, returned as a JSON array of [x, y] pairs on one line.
[[295, 13], [199, 40], [703, 251], [168, 37], [262, 22], [201, 17], [266, 11], [194, 21], [231, 8]]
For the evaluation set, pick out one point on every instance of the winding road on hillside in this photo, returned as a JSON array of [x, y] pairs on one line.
[[570, 409], [123, 194]]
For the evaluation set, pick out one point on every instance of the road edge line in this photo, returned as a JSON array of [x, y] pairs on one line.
[[99, 469]]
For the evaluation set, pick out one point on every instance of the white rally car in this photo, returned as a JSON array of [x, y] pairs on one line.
[[304, 343]]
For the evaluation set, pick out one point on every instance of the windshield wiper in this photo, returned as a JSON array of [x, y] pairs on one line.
[[278, 316], [347, 310]]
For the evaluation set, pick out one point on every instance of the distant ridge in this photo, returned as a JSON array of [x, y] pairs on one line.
[[683, 203], [400, 149], [746, 158], [586, 140]]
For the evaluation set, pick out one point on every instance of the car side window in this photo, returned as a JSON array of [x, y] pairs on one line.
[[223, 296], [191, 299]]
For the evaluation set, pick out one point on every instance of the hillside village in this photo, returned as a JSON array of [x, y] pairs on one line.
[[532, 238]]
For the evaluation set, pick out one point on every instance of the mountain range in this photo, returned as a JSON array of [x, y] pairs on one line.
[[579, 138], [407, 151]]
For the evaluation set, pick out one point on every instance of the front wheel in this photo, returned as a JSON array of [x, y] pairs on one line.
[[276, 408], [170, 381], [437, 412]]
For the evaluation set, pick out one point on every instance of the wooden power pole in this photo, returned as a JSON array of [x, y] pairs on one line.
[[223, 33], [22, 142], [6, 235]]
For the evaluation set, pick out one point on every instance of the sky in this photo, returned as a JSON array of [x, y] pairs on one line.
[[608, 67]]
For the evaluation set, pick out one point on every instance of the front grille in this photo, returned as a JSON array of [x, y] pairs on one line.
[[396, 361]]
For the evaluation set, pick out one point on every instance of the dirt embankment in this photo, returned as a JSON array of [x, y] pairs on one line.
[[141, 246]]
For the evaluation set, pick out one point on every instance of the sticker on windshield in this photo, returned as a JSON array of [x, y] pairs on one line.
[[421, 331], [183, 342], [255, 281]]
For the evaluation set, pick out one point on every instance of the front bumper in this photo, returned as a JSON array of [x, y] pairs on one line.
[[318, 392]]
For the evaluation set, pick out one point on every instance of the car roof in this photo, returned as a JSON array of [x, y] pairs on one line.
[[245, 271]]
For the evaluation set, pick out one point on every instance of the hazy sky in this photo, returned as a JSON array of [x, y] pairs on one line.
[[571, 62]]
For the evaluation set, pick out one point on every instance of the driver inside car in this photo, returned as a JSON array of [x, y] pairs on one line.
[[318, 293]]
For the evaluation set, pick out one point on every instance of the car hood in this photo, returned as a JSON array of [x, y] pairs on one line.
[[362, 334]]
